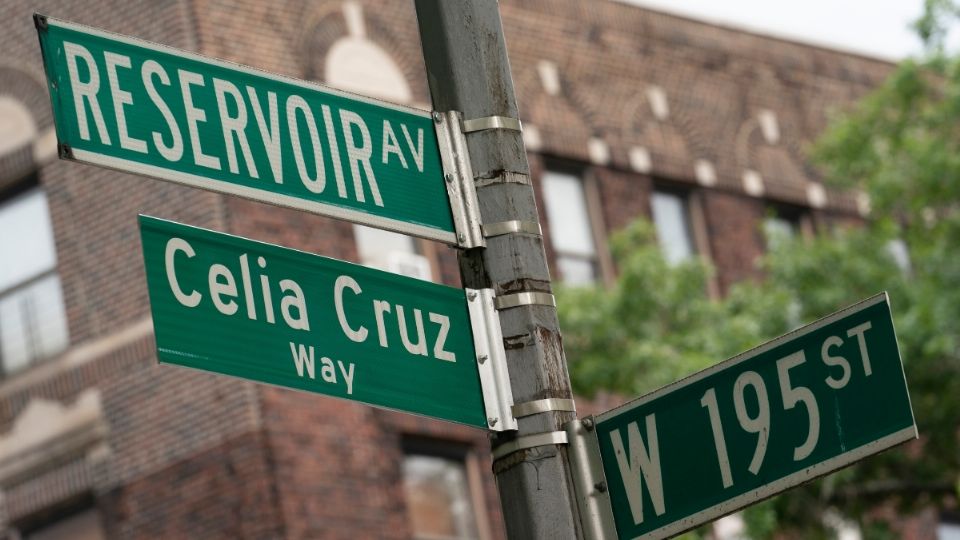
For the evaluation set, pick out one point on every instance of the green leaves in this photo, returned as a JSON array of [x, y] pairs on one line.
[[931, 27], [656, 324], [635, 336], [901, 147]]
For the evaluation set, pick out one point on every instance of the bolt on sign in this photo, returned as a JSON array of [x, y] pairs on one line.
[[144, 108], [275, 315], [798, 407]]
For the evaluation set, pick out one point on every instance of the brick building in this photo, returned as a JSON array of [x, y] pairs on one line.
[[626, 113]]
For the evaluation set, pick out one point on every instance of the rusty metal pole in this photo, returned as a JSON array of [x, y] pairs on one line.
[[468, 71]]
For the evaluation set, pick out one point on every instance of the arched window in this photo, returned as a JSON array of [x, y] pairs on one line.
[[356, 64], [17, 128], [33, 324]]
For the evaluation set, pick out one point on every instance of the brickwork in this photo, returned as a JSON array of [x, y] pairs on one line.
[[94, 210], [334, 458], [291, 228], [94, 215], [736, 240], [156, 417], [624, 197], [225, 491], [715, 87], [66, 384], [160, 415], [332, 461], [192, 455]]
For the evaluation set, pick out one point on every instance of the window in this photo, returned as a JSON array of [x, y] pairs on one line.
[[439, 491], [948, 531], [949, 527], [571, 232], [781, 224], [68, 521], [671, 218], [80, 526], [357, 64], [17, 128], [392, 252], [33, 324], [776, 227]]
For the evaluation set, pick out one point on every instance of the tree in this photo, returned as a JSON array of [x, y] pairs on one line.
[[901, 147]]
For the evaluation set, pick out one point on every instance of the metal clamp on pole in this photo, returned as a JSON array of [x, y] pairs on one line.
[[528, 298], [503, 177], [491, 360], [539, 406], [589, 482], [514, 226], [491, 122], [458, 176], [530, 441], [452, 33]]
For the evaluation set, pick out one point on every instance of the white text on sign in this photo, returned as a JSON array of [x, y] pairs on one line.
[[243, 115], [640, 465]]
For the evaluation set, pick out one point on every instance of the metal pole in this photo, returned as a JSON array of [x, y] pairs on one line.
[[468, 71]]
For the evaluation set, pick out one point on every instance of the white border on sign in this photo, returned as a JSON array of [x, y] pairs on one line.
[[783, 484], [794, 479], [747, 355], [278, 199]]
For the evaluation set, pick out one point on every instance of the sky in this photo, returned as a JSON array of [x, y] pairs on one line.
[[876, 28]]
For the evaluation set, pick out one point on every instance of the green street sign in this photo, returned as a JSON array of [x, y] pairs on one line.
[[144, 108], [275, 315], [798, 407]]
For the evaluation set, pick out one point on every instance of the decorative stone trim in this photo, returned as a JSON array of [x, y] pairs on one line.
[[47, 433], [816, 195], [769, 126], [598, 151], [549, 77], [531, 138], [705, 173], [640, 160], [753, 183], [657, 97]]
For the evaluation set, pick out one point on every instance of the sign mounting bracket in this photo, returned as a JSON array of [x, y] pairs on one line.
[[491, 360], [458, 176], [589, 482]]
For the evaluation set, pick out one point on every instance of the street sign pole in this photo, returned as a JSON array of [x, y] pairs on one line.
[[467, 69]]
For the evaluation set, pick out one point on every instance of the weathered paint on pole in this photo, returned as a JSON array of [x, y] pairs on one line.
[[468, 71]]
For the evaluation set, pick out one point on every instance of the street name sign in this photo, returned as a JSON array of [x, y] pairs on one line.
[[275, 315], [144, 108], [803, 405]]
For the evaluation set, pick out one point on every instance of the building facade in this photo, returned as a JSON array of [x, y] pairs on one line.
[[627, 113]]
